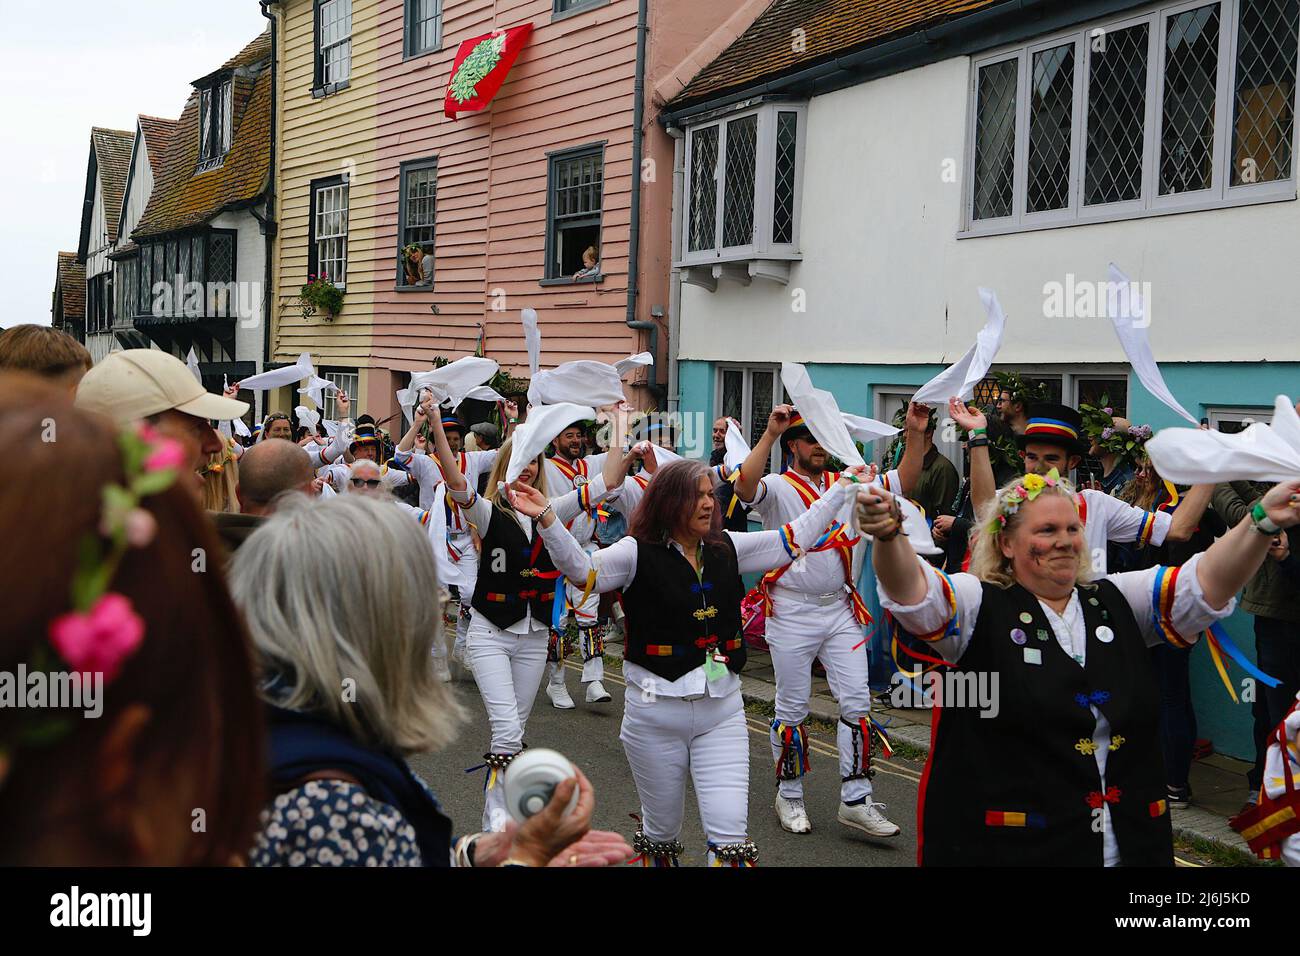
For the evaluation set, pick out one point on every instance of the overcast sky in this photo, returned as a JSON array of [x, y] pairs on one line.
[[68, 65]]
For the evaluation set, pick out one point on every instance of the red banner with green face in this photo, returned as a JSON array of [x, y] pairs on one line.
[[480, 68]]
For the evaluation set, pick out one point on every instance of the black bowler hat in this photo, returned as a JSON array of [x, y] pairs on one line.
[[1058, 425]]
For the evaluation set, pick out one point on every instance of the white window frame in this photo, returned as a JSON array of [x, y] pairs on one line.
[[747, 400], [1217, 414], [343, 40], [349, 382], [338, 277], [1221, 194], [762, 246]]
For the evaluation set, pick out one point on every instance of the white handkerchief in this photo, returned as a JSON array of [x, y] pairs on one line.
[[914, 525], [867, 430], [316, 388], [821, 413], [663, 456], [737, 448], [240, 428], [192, 363], [583, 382], [961, 378], [1192, 456], [532, 340], [449, 385], [279, 377], [543, 424], [623, 366], [1128, 316], [332, 427], [484, 393], [307, 417]]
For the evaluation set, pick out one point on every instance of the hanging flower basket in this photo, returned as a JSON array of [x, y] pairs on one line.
[[320, 295]]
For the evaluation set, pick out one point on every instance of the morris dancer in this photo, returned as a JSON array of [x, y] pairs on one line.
[[513, 600], [568, 470], [1051, 441], [814, 611], [683, 714], [1066, 769], [458, 558]]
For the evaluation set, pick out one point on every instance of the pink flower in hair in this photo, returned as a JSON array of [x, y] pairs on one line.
[[100, 640], [165, 455]]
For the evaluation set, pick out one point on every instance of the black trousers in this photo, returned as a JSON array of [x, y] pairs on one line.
[[1277, 652]]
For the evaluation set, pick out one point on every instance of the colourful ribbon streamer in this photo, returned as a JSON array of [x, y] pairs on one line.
[[1221, 644]]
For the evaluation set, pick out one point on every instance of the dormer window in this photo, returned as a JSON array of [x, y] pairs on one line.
[[214, 122]]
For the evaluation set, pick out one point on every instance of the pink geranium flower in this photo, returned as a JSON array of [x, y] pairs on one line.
[[100, 640]]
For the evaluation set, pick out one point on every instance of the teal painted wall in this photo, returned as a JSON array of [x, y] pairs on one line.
[[1196, 385]]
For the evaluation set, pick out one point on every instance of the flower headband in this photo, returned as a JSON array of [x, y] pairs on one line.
[[102, 630], [1026, 489]]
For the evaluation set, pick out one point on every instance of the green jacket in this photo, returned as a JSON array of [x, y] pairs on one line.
[[1271, 592]]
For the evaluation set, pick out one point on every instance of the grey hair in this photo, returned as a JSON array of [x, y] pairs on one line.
[[341, 599]]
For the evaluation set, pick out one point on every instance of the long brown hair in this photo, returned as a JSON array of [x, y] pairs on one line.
[[669, 502], [193, 670]]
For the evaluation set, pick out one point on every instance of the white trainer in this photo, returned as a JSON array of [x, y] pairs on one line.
[[867, 818], [596, 693], [793, 815], [559, 695]]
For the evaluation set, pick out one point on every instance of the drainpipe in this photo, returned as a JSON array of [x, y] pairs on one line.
[[269, 226], [675, 276], [634, 240]]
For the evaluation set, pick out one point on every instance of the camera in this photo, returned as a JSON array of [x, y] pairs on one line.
[[531, 780]]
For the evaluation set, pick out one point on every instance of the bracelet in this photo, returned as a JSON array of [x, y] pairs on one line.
[[543, 514], [1263, 524], [465, 849], [980, 432], [977, 442]]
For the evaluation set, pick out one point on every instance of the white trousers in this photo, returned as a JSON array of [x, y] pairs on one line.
[[667, 738], [462, 617], [508, 669], [796, 634]]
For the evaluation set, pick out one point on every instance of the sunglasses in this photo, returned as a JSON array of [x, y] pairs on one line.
[[369, 482]]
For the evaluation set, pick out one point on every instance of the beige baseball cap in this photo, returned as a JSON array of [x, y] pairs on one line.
[[137, 383]]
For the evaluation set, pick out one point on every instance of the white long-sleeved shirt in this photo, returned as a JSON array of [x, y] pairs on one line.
[[777, 502], [332, 451], [427, 472], [582, 527], [615, 567], [1109, 519], [1190, 615], [478, 510]]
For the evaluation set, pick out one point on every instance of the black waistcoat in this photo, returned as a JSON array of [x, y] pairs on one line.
[[526, 583], [1021, 788], [672, 616]]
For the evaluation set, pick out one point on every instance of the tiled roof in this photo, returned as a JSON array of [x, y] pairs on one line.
[[72, 287], [157, 135], [182, 197], [113, 157], [830, 28]]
